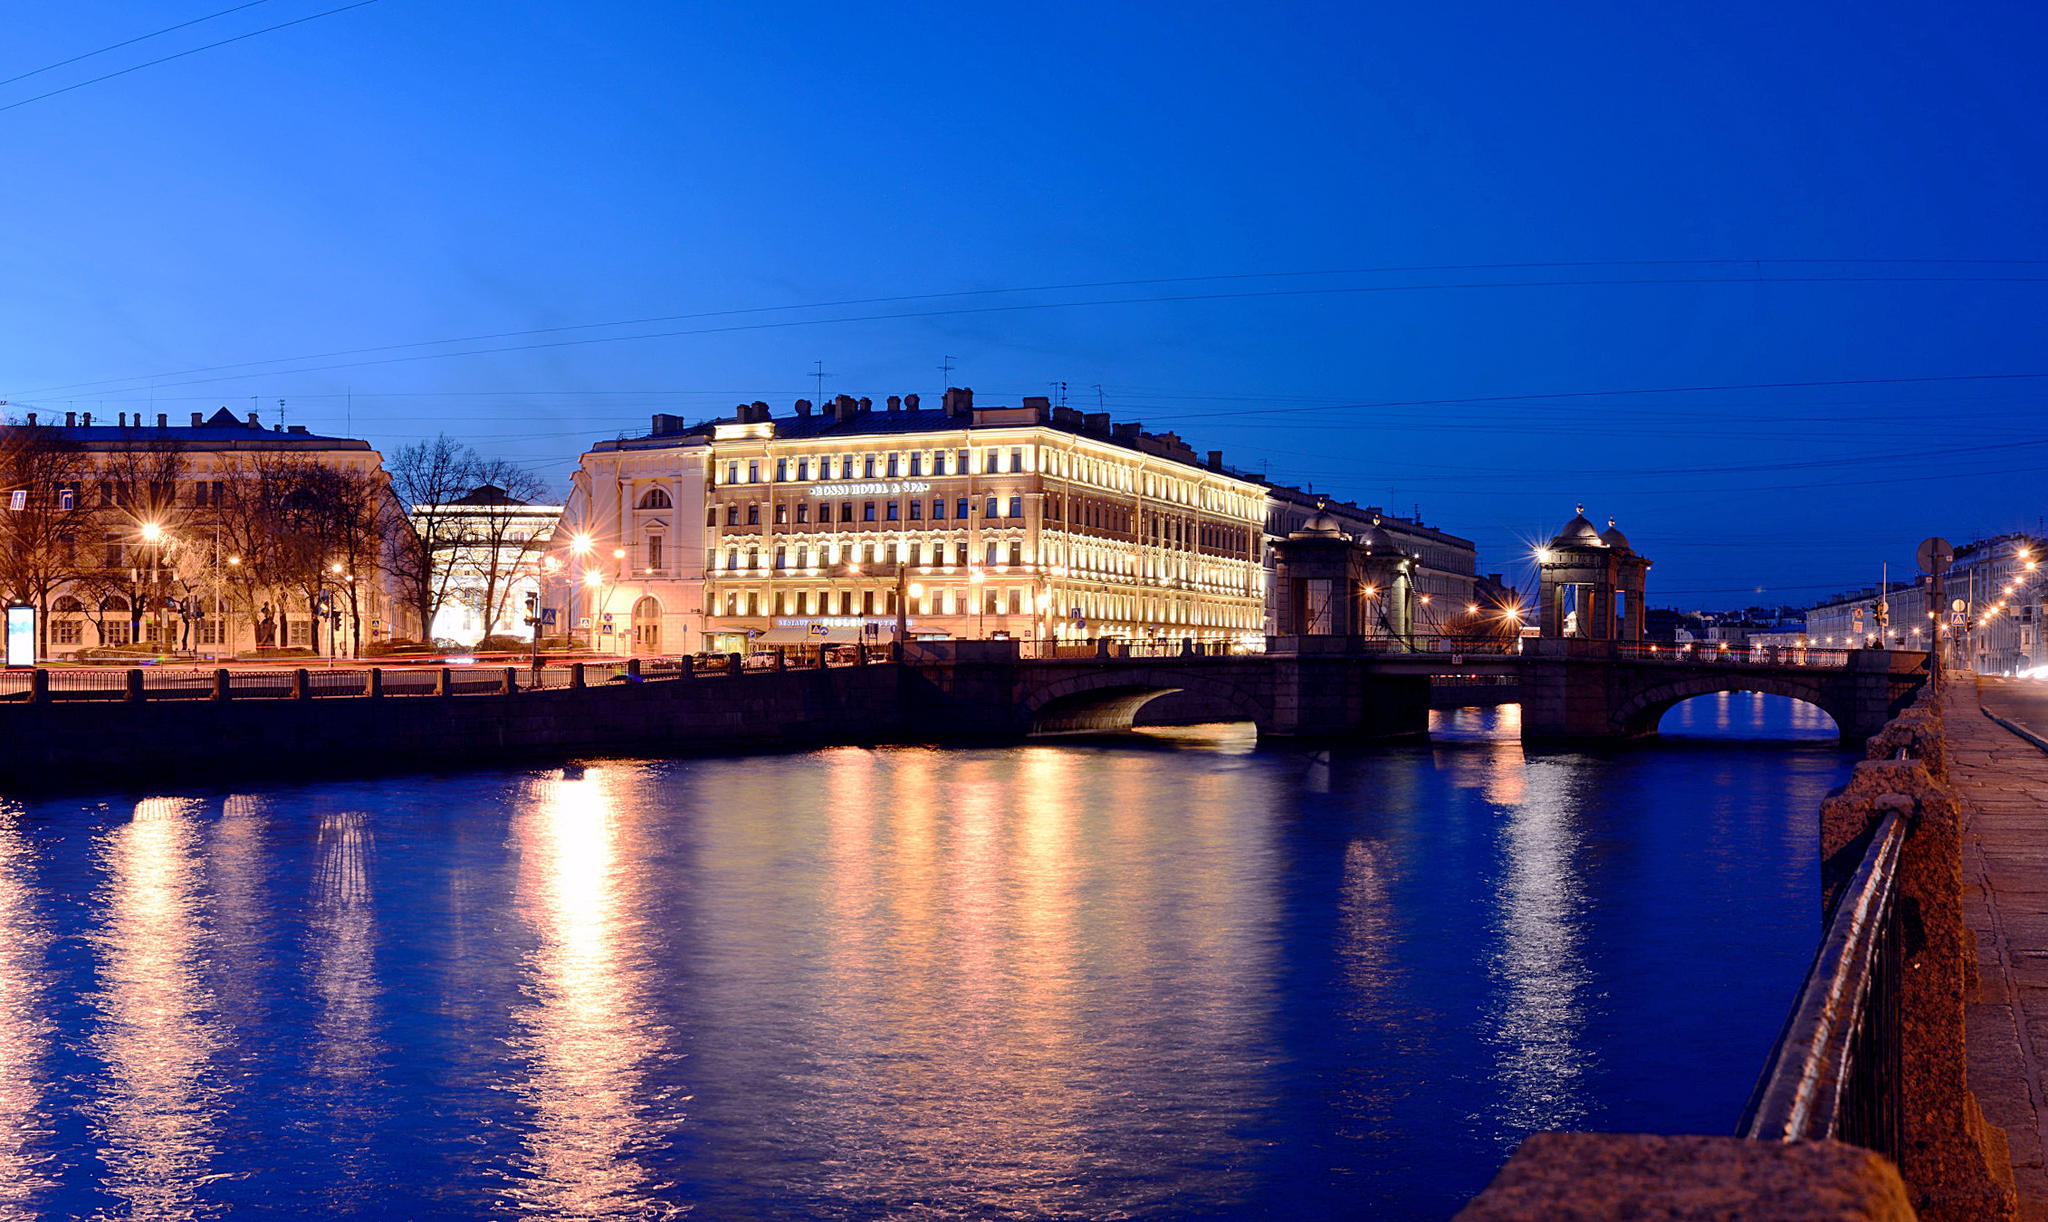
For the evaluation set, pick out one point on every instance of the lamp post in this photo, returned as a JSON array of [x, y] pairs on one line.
[[976, 580]]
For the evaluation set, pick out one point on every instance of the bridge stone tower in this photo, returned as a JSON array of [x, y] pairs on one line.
[[1591, 583], [1331, 585]]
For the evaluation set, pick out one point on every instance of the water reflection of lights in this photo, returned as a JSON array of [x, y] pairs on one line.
[[24, 1027], [156, 1107], [586, 1025], [1538, 1023], [342, 950]]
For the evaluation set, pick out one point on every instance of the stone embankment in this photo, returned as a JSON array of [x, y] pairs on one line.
[[1954, 1166]]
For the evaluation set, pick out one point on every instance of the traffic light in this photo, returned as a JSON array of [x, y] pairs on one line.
[[532, 609]]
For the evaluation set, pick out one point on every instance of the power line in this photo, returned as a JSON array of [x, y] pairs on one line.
[[194, 51], [129, 42], [1107, 284], [1113, 301]]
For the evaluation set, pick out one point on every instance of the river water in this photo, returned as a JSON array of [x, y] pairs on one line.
[[1181, 976]]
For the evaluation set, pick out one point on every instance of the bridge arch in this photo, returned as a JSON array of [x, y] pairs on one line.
[[1642, 711], [1105, 702]]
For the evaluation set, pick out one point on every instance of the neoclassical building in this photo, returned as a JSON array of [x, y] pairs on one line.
[[1026, 522]]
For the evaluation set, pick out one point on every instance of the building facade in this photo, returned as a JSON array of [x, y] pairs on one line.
[[1995, 630], [1027, 522], [1442, 571], [217, 538], [494, 546]]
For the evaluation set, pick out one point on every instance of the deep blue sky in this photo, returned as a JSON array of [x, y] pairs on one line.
[[420, 170]]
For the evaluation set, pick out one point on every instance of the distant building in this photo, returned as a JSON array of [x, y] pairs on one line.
[[1444, 582], [1997, 627], [218, 537], [493, 563]]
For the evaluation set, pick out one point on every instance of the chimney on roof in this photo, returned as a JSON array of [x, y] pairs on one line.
[[844, 408], [866, 405], [803, 408], [761, 412], [163, 420], [196, 418], [958, 401], [910, 402], [1096, 422], [297, 428], [1127, 432], [895, 403], [31, 419], [254, 423], [1215, 460], [70, 419], [88, 420], [124, 419], [1038, 403]]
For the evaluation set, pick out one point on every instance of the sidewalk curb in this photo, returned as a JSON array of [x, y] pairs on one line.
[[2016, 728]]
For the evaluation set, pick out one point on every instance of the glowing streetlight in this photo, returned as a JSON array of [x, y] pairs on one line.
[[580, 544], [593, 579], [152, 532]]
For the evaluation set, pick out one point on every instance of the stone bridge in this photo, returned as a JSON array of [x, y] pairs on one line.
[[1569, 689]]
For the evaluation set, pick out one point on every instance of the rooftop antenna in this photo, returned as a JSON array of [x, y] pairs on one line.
[[946, 371], [1059, 390], [280, 415], [1098, 398], [818, 372]]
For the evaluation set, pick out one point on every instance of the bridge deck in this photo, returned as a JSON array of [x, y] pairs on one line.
[[2003, 780]]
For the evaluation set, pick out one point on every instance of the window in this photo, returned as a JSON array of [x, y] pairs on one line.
[[1016, 553], [938, 509], [781, 469], [916, 511], [753, 602], [867, 512], [711, 516], [916, 461], [753, 558], [867, 602], [803, 468], [65, 631], [868, 467], [846, 511], [992, 510], [781, 513], [938, 462], [1016, 506], [846, 467], [803, 601], [892, 511], [753, 470], [1016, 460], [732, 603], [115, 632], [916, 549], [654, 498], [892, 465], [992, 545], [654, 552], [803, 511], [732, 515], [298, 633], [960, 466], [1016, 602], [732, 559], [781, 558], [732, 473], [111, 552], [754, 513], [988, 463], [962, 508]]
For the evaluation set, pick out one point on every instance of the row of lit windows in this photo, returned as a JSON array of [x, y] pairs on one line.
[[893, 464], [897, 551], [989, 600], [869, 511]]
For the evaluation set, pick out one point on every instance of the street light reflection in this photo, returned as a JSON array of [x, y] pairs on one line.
[[24, 1026]]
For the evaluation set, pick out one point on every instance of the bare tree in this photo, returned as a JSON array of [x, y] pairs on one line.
[[41, 481], [140, 526], [499, 544], [427, 476]]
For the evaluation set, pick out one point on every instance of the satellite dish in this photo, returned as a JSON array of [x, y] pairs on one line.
[[1935, 554]]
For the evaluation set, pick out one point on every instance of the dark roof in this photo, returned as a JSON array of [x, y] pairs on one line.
[[222, 430], [489, 494]]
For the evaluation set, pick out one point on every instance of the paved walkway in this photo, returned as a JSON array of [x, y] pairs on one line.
[[2003, 779]]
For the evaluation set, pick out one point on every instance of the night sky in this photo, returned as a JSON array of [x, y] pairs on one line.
[[1761, 280]]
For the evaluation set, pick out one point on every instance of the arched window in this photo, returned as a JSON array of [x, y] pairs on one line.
[[655, 498], [67, 603], [113, 602]]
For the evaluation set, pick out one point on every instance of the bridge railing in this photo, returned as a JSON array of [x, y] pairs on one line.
[[1726, 653]]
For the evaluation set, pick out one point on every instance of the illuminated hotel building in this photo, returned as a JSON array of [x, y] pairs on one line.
[[1029, 522]]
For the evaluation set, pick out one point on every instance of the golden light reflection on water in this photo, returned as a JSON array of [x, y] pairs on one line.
[[1008, 948], [586, 1025], [156, 1108], [24, 1026]]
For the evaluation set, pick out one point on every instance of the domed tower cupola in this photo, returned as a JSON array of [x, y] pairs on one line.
[[1327, 583], [1591, 583]]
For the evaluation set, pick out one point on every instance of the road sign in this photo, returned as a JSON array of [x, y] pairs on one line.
[[547, 617], [1934, 555], [1959, 605]]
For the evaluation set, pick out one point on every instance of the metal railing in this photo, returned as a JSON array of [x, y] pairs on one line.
[[1835, 1073], [1727, 654]]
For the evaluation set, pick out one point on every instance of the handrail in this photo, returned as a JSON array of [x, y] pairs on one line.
[[1800, 1096]]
